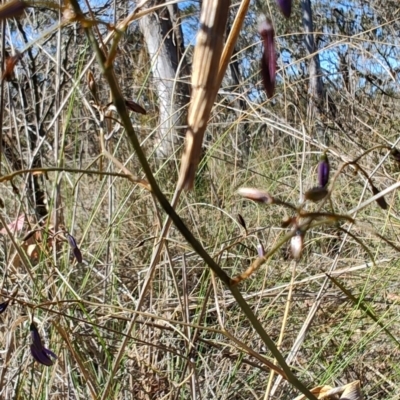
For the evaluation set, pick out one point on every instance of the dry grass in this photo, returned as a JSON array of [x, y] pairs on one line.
[[190, 338]]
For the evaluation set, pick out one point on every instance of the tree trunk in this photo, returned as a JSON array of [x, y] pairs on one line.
[[316, 85], [163, 38]]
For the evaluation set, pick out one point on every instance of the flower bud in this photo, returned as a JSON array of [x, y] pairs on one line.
[[268, 60], [381, 201], [91, 82], [260, 250], [256, 195], [316, 194], [135, 107], [75, 249], [323, 171], [241, 221], [297, 245]]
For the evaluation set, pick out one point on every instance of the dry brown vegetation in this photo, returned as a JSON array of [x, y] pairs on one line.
[[126, 327]]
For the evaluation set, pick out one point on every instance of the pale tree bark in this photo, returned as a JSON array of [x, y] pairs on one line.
[[234, 78], [163, 39]]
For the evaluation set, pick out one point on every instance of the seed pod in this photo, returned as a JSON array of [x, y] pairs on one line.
[[381, 201], [316, 194], [285, 6], [323, 171], [297, 245], [268, 60], [256, 195]]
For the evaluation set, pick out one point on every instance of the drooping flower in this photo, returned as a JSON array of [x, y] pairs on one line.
[[75, 249], [39, 352], [268, 60], [256, 195], [285, 7], [323, 171]]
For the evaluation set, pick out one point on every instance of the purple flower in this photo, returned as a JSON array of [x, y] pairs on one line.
[[75, 249], [268, 60], [285, 7], [78, 255], [38, 351], [323, 171]]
